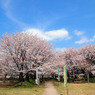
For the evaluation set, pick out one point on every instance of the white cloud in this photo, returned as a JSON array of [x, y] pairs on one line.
[[93, 39], [55, 34], [37, 32], [85, 40], [60, 49], [78, 33], [49, 35]]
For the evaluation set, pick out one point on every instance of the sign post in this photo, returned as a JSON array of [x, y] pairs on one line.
[[37, 80], [58, 76], [65, 78]]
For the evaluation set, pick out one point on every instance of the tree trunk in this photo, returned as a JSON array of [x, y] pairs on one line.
[[73, 76], [21, 77], [42, 77], [54, 76], [69, 76], [4, 79], [27, 77], [61, 78], [88, 77]]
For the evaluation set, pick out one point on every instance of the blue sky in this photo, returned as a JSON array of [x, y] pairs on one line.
[[65, 23]]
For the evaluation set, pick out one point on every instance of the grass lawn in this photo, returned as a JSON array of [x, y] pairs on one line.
[[22, 91], [76, 89], [20, 88]]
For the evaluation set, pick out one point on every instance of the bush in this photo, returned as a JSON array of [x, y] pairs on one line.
[[92, 79], [26, 83]]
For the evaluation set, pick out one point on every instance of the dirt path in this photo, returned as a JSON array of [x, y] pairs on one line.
[[49, 89]]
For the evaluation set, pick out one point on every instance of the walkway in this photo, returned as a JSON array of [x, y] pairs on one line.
[[49, 89]]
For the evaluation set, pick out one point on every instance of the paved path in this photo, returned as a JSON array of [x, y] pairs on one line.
[[49, 89]]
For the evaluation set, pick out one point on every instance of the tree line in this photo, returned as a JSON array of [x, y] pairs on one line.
[[21, 54]]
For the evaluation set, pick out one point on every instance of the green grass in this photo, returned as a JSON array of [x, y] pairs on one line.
[[22, 91], [76, 89], [22, 88]]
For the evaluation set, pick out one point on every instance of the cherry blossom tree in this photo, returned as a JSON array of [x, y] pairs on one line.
[[88, 54], [23, 52]]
